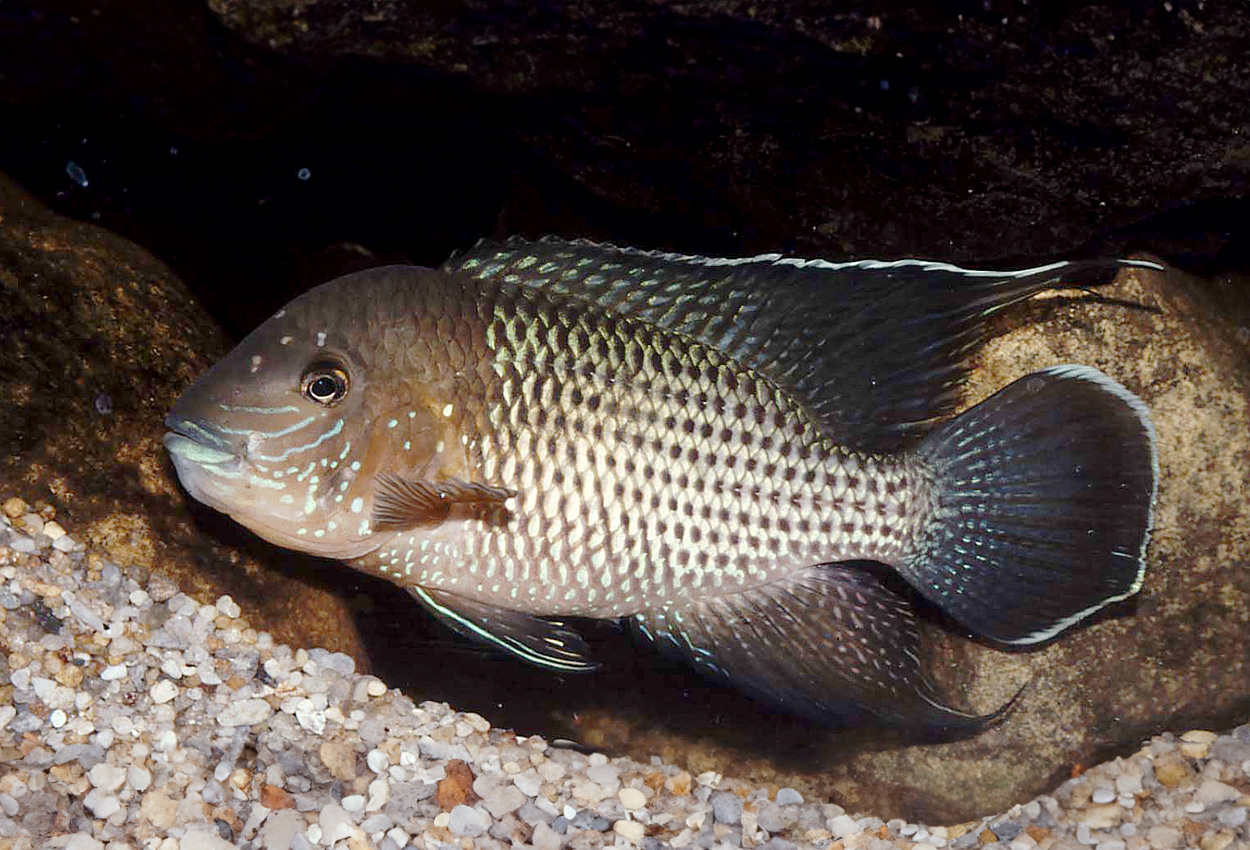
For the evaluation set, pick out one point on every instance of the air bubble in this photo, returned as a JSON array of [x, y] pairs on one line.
[[303, 174]]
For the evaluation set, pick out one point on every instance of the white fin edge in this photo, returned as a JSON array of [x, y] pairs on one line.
[[1094, 376]]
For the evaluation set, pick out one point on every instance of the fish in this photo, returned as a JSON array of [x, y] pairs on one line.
[[756, 465]]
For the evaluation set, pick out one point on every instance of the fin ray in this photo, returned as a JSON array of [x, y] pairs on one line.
[[1044, 498], [401, 503], [830, 641], [539, 641], [875, 349]]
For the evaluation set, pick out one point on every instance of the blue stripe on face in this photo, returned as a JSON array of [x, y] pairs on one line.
[[333, 431]]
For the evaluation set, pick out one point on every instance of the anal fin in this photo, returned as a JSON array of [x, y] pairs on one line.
[[827, 644], [543, 642]]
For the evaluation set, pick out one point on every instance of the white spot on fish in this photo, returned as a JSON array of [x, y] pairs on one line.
[[392, 423], [364, 529], [302, 531], [407, 445], [320, 532], [286, 340], [355, 466], [310, 505], [321, 338], [412, 414], [256, 361], [438, 447], [358, 505], [447, 409], [286, 499]]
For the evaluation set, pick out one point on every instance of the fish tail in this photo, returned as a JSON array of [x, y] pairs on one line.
[[1042, 500]]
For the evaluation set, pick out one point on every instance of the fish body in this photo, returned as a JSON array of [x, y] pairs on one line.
[[542, 430]]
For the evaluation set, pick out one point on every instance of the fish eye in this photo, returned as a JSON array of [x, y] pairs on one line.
[[324, 383]]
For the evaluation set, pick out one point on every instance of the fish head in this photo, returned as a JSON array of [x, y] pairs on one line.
[[289, 431]]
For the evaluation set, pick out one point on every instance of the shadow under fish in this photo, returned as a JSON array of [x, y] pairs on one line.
[[699, 447]]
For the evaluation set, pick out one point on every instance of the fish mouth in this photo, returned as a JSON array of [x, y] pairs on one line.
[[196, 442]]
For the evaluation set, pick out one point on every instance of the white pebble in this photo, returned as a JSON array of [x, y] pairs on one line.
[[82, 841], [101, 803], [1194, 807], [842, 826], [379, 795], [528, 783], [53, 529], [107, 777], [163, 691], [466, 821], [1212, 791], [113, 671], [375, 688], [227, 606], [377, 760], [139, 778], [476, 722], [632, 798], [788, 797], [58, 719], [43, 688], [247, 712], [630, 830], [65, 543], [1103, 794], [354, 803]]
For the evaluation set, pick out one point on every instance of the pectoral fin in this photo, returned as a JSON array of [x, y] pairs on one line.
[[546, 643], [827, 645], [401, 503]]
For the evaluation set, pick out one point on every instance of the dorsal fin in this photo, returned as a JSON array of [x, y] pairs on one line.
[[876, 350]]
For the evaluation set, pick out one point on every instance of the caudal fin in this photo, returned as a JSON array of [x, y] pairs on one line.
[[1044, 494]]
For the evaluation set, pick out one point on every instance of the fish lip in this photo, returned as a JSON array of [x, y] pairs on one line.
[[198, 442]]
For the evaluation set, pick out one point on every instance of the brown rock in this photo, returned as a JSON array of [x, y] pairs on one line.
[[456, 788], [1173, 770], [99, 338], [273, 797], [339, 757]]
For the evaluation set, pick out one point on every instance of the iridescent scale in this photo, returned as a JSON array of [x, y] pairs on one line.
[[649, 469]]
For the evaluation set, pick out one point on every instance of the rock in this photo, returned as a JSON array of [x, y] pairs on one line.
[[1173, 771], [726, 807], [1211, 792], [456, 788], [466, 821], [503, 800], [631, 830], [88, 312], [280, 829], [546, 838], [203, 837], [247, 712], [339, 757], [632, 798]]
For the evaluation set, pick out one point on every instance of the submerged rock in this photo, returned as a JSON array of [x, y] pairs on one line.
[[87, 314]]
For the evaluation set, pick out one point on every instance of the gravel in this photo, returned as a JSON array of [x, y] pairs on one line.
[[133, 716]]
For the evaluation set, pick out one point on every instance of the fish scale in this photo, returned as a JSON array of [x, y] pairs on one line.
[[589, 416], [711, 450]]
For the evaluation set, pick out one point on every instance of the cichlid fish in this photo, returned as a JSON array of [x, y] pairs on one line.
[[544, 430]]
